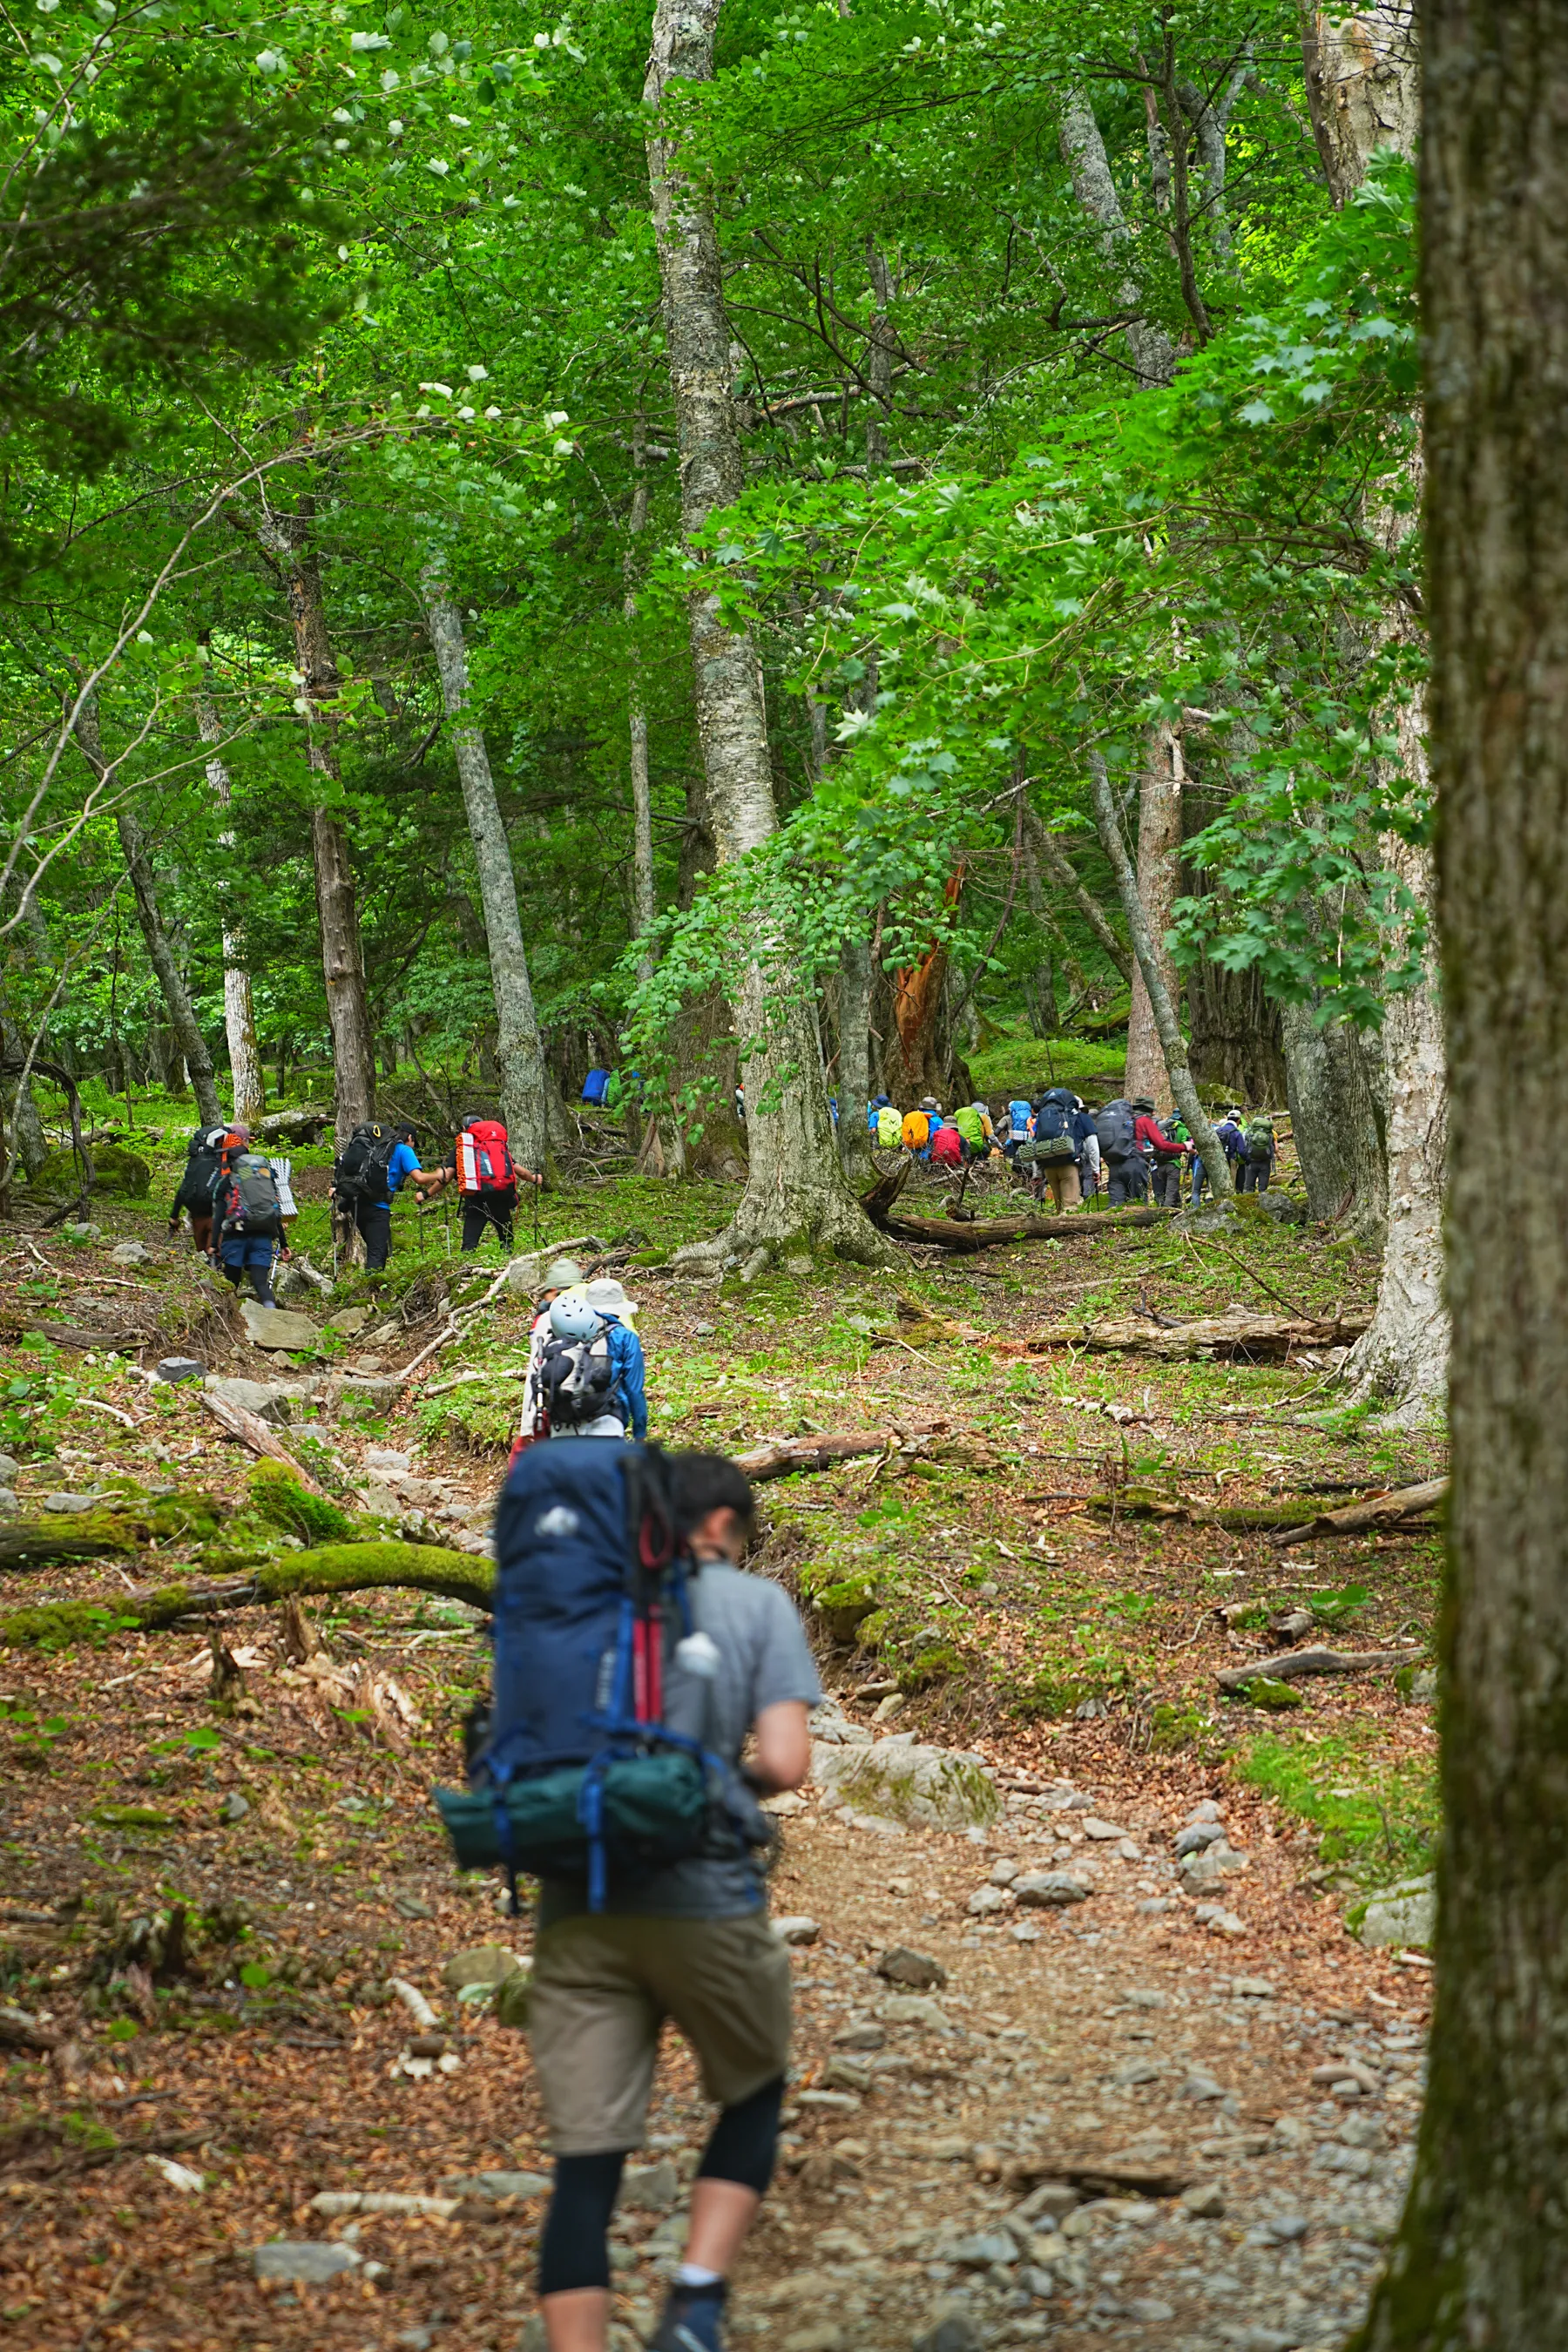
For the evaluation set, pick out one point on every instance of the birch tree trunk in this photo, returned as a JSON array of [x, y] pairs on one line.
[[1159, 872], [518, 1049], [1338, 1123], [644, 905], [287, 538], [1482, 2256], [247, 1080], [160, 953], [795, 1189], [1364, 86], [1216, 1167]]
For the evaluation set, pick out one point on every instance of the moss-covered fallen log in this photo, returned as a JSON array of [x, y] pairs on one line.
[[1392, 1510], [1149, 1503], [334, 1568], [1294, 1665], [118, 1527]]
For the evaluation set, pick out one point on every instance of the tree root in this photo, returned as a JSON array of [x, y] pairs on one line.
[[1383, 1511]]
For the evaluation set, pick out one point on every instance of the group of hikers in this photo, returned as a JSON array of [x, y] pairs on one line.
[[241, 1205], [1059, 1145]]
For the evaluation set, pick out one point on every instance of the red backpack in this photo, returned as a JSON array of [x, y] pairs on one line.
[[946, 1147], [484, 1163]]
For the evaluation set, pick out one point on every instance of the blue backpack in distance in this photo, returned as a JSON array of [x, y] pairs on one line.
[[596, 1086], [1018, 1117], [580, 1775]]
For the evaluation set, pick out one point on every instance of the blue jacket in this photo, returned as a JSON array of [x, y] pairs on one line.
[[627, 1356]]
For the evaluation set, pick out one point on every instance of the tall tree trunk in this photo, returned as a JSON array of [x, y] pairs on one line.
[[518, 1049], [1159, 877], [795, 1188], [1150, 349], [249, 1086], [288, 539], [1216, 1168], [1481, 2258], [23, 1124], [854, 1061], [1333, 1086], [1364, 87], [644, 905], [160, 954]]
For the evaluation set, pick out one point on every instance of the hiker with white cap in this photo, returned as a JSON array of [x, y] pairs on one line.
[[609, 1300]]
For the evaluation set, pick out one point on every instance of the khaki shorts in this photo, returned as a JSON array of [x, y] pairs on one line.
[[603, 1987]]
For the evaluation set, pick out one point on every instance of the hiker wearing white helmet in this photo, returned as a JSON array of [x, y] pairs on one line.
[[576, 1371], [560, 1274], [609, 1300]]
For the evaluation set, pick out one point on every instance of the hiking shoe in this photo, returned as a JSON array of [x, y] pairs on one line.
[[693, 2321]]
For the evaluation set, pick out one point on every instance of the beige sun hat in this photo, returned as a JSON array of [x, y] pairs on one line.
[[607, 1296]]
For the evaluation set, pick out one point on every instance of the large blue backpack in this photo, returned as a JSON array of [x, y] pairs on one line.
[[581, 1775], [1018, 1117], [596, 1086]]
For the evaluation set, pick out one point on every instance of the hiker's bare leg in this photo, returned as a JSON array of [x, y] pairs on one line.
[[721, 2213], [578, 2320]]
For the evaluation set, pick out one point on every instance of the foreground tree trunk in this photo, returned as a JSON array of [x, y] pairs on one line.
[[160, 953], [1159, 876], [247, 1080], [1482, 2259], [518, 1049], [795, 1189], [1216, 1167], [287, 540]]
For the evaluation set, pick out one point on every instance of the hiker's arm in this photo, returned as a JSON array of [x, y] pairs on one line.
[[783, 1744], [527, 1175]]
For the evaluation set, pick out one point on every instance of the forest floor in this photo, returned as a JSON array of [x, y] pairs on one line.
[[1229, 2058]]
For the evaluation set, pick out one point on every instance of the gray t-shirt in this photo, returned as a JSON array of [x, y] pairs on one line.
[[764, 1660]]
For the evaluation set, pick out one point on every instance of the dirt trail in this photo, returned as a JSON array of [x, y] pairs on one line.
[[1220, 2053]]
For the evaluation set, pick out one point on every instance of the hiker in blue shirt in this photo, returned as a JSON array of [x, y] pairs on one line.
[[614, 1309]]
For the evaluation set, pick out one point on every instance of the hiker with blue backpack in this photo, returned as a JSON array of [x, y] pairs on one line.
[[587, 1378], [633, 1662], [1227, 1129], [1052, 1153]]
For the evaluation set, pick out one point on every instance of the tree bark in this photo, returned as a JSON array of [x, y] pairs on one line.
[[1216, 1168], [1332, 1083], [247, 1080], [287, 538], [795, 1189], [1150, 348], [645, 906], [854, 1061], [518, 1049], [1481, 2257], [1159, 876], [1364, 86], [160, 954]]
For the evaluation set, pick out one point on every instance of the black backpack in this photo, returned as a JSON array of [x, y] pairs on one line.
[[1117, 1130], [359, 1170], [576, 1381], [1053, 1137], [203, 1154]]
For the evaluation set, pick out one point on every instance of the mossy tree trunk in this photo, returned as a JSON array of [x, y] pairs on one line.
[[1481, 2258]]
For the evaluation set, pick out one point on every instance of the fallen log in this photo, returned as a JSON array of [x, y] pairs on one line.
[[252, 1430], [1383, 1511], [963, 1238], [1242, 1337], [119, 1524], [72, 1334], [790, 1453], [1294, 1665], [302, 1125], [332, 1568], [1142, 1503]]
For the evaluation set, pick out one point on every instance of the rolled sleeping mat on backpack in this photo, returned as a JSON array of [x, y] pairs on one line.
[[655, 1809]]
